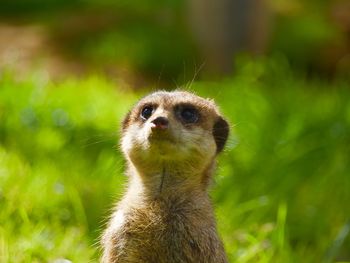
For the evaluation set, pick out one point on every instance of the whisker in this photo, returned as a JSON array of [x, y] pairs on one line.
[[196, 72], [93, 140]]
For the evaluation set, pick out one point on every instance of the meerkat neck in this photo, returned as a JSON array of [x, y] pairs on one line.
[[166, 182]]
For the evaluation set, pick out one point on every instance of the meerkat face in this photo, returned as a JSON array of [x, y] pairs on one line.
[[173, 127]]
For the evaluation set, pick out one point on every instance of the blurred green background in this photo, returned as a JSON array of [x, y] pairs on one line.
[[280, 71]]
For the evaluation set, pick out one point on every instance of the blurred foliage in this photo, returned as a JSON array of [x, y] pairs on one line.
[[154, 38], [281, 191], [58, 159]]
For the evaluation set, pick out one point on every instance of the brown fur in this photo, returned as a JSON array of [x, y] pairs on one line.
[[166, 215]]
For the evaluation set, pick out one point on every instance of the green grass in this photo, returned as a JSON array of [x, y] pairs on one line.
[[282, 190]]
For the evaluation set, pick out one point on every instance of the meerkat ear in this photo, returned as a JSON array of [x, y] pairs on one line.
[[220, 133], [126, 121]]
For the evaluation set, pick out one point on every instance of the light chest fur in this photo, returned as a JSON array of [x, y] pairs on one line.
[[165, 230]]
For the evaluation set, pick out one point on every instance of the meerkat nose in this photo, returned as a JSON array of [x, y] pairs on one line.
[[160, 123]]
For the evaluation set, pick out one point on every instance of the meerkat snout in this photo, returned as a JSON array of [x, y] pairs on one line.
[[160, 123], [170, 141]]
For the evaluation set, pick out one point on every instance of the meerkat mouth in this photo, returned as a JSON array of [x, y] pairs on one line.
[[161, 136], [163, 144]]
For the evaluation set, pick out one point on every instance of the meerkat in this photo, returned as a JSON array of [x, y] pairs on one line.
[[170, 141]]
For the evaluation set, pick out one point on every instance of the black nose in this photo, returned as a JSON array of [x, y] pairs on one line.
[[160, 123]]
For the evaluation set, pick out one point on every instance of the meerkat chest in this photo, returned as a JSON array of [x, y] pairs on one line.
[[159, 233], [158, 222]]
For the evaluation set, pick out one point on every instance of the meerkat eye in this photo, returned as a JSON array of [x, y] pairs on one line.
[[189, 115], [146, 112]]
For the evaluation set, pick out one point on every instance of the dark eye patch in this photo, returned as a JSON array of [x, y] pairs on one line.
[[147, 111], [187, 113]]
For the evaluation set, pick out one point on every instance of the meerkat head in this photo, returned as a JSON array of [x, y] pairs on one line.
[[177, 130]]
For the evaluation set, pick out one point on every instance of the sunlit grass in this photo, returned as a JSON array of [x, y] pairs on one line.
[[282, 190]]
